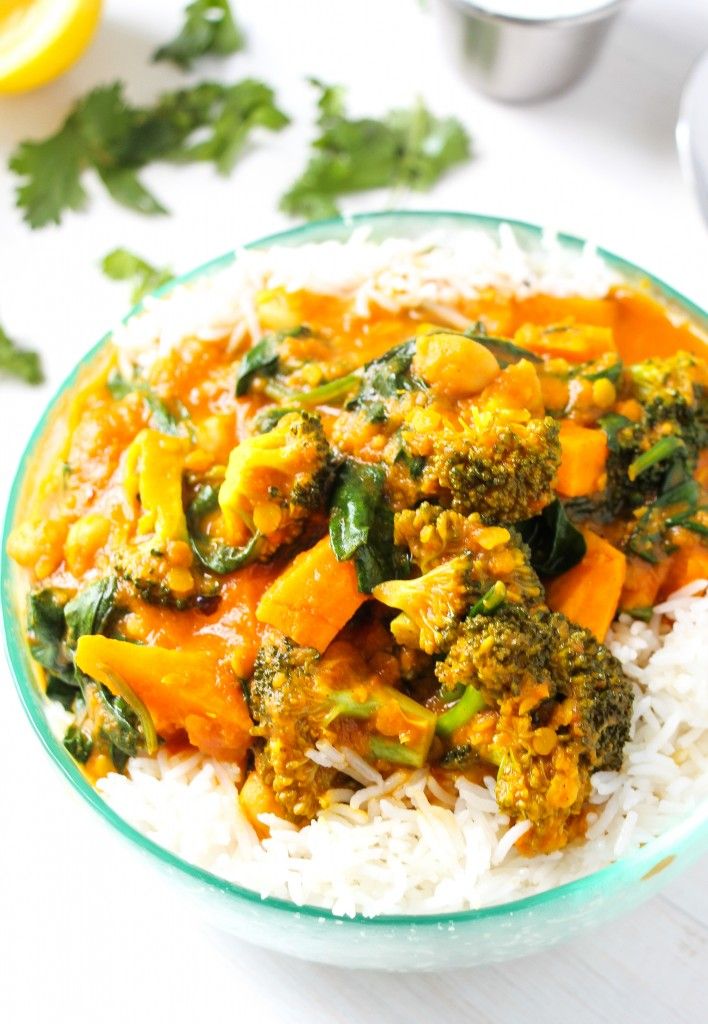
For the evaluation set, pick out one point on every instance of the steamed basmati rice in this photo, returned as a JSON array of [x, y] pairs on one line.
[[406, 844], [436, 271]]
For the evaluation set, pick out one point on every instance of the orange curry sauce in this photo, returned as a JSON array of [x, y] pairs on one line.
[[76, 512]]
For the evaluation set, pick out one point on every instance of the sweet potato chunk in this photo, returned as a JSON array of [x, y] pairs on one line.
[[313, 598], [583, 458], [589, 593], [578, 343], [184, 691], [685, 565]]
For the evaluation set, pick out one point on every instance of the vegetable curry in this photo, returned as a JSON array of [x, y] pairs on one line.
[[403, 536]]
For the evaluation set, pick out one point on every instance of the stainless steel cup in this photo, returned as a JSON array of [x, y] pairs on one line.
[[518, 59]]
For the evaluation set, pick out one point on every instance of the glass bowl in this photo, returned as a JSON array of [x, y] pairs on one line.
[[438, 941]]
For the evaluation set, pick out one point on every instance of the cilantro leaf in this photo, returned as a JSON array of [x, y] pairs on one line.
[[431, 145], [410, 148], [19, 362], [209, 27], [105, 133], [105, 124], [240, 108], [123, 185], [52, 169], [123, 265]]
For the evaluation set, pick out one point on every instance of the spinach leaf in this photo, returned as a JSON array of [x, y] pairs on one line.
[[361, 525], [386, 377], [78, 743], [213, 555], [46, 627], [270, 417], [259, 361], [54, 626], [611, 372], [105, 721], [504, 351], [89, 612], [64, 693], [119, 723], [415, 464], [556, 545], [612, 423], [675, 506], [158, 593], [163, 418], [111, 719], [354, 505]]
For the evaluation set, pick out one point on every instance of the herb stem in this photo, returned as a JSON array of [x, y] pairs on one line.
[[329, 392], [345, 703], [489, 601], [459, 714], [394, 752], [663, 449]]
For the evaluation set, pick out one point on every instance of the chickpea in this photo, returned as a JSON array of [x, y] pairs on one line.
[[39, 546], [84, 538], [454, 365]]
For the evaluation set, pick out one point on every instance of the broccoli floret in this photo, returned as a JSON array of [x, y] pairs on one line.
[[504, 653], [549, 750], [296, 700], [433, 535], [499, 464], [498, 654], [462, 559], [274, 481], [289, 707], [649, 456], [659, 450], [652, 458], [564, 710], [592, 678], [431, 606], [681, 376], [502, 470]]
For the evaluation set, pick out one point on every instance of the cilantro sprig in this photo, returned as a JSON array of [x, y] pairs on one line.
[[15, 361], [209, 28], [406, 148], [209, 121], [123, 265]]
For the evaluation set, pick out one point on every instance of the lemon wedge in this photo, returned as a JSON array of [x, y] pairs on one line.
[[39, 39]]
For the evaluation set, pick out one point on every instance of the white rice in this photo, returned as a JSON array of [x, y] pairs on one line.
[[405, 844], [434, 272]]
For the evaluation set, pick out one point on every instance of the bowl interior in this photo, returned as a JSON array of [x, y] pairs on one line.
[[590, 897]]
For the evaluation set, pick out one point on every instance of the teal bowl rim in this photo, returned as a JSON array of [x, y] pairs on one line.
[[650, 856]]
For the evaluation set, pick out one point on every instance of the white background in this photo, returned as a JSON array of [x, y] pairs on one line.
[[86, 933]]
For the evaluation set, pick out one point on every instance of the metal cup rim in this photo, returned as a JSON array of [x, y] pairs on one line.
[[473, 8]]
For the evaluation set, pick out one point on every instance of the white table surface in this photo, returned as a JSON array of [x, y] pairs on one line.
[[85, 933]]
